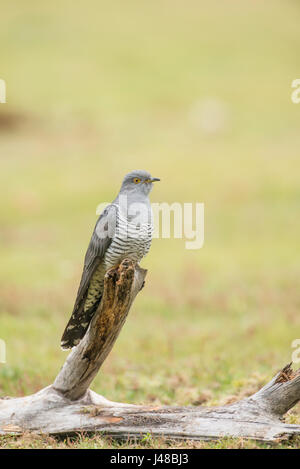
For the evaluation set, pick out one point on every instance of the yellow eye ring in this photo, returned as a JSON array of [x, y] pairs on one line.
[[136, 180]]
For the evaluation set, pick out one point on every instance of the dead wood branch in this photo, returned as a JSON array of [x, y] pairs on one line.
[[68, 406]]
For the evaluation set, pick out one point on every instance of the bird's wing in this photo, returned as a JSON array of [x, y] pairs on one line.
[[100, 241]]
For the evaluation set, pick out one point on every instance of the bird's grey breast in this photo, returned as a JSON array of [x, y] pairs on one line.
[[133, 235]]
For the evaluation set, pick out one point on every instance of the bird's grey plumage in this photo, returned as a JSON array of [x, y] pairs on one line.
[[124, 229]]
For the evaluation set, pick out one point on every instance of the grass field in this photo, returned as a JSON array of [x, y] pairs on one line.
[[199, 94]]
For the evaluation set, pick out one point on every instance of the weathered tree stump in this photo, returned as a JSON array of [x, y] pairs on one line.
[[68, 406]]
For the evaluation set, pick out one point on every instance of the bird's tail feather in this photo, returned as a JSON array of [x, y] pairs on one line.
[[77, 326]]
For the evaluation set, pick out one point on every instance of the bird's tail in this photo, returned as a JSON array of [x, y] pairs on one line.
[[76, 328]]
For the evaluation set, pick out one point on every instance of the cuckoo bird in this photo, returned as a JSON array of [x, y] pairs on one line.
[[123, 230]]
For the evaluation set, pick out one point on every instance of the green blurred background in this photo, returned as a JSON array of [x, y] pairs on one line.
[[199, 94]]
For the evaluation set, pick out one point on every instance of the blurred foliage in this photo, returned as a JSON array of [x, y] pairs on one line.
[[199, 94]]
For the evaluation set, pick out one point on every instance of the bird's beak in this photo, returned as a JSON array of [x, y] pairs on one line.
[[154, 179]]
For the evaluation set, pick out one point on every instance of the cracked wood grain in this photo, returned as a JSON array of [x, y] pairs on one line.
[[121, 286]]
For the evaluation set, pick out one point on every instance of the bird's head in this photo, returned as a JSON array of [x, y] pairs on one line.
[[139, 182]]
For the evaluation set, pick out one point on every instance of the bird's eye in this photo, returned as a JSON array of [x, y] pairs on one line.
[[136, 180]]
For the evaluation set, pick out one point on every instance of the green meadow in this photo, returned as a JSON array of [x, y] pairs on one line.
[[199, 94]]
